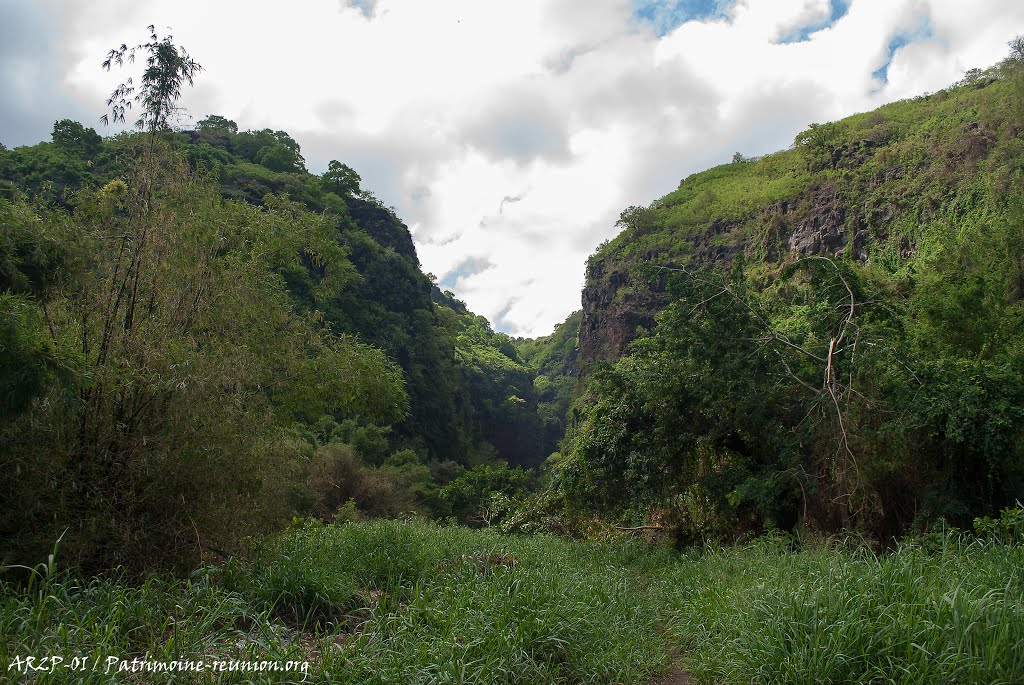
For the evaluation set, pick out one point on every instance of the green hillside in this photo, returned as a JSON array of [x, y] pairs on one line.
[[828, 336], [206, 270]]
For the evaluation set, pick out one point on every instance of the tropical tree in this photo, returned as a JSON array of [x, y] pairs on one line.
[[216, 130], [217, 123], [75, 139], [341, 179], [168, 66]]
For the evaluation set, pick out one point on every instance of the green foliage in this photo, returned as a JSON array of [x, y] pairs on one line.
[[275, 150], [341, 179], [503, 410], [30, 365], [277, 157], [76, 140], [471, 497], [196, 364], [763, 614], [1007, 528], [758, 406], [360, 274], [34, 263], [310, 590], [820, 143], [34, 257], [45, 170], [355, 270], [479, 607], [216, 130], [295, 305], [554, 363], [391, 601], [836, 346], [339, 477]]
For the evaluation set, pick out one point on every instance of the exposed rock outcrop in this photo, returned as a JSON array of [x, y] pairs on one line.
[[873, 180], [823, 230], [617, 301], [614, 306]]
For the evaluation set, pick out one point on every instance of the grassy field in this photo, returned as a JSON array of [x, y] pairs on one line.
[[411, 602]]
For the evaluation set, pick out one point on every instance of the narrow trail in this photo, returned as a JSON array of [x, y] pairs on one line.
[[675, 675]]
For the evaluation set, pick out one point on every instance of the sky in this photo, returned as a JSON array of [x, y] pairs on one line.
[[508, 135]]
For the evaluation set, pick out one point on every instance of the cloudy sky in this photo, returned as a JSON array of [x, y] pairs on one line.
[[509, 134]]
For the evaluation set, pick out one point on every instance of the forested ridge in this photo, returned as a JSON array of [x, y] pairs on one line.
[[202, 340]]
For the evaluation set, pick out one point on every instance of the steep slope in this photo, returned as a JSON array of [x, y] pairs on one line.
[[865, 187], [458, 410], [554, 360], [827, 336]]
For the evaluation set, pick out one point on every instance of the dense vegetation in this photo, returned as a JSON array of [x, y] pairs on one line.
[[391, 601], [837, 345], [139, 274], [199, 340], [554, 365]]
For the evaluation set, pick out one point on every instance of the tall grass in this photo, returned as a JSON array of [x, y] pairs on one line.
[[454, 605], [762, 614], [411, 602], [380, 602]]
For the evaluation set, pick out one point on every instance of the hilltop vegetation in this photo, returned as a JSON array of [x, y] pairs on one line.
[[285, 314], [825, 337]]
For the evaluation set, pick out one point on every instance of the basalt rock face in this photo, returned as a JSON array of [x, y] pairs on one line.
[[824, 230], [619, 300], [384, 227], [614, 307]]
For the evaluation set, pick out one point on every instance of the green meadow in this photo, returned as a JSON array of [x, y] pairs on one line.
[[393, 601]]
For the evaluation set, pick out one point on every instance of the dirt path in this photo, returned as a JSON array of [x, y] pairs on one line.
[[675, 676]]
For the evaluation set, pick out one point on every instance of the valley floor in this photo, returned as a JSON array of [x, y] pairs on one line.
[[389, 602]]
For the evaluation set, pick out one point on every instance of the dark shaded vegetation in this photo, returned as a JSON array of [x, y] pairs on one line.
[[88, 259], [554, 362]]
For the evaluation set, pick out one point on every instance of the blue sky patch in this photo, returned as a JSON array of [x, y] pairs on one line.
[[665, 15], [502, 323], [837, 10], [901, 39], [467, 267], [367, 7]]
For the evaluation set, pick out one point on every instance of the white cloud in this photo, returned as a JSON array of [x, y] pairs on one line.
[[448, 108]]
